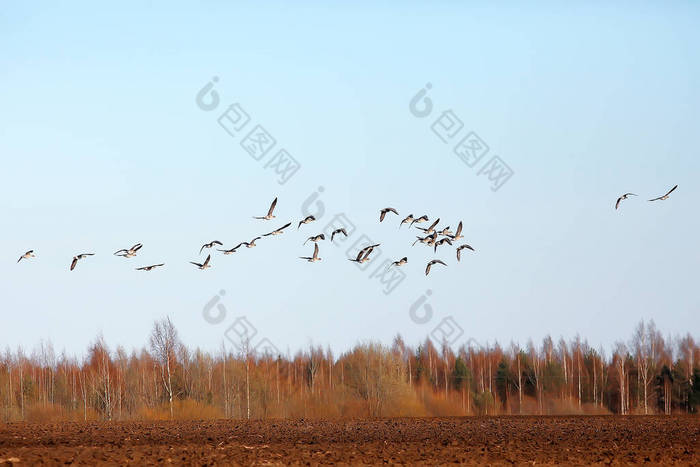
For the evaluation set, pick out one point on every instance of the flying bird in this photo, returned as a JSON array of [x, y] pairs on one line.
[[425, 239], [418, 220], [363, 254], [339, 231], [251, 243], [232, 250], [400, 262], [150, 268], [383, 212], [406, 220], [458, 233], [306, 220], [77, 257], [435, 261], [661, 198], [130, 252], [269, 214], [430, 229], [313, 258], [442, 241], [621, 198], [209, 245], [278, 231], [462, 247], [203, 265], [315, 238], [27, 255]]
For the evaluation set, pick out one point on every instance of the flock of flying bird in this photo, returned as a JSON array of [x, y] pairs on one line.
[[659, 198], [433, 237]]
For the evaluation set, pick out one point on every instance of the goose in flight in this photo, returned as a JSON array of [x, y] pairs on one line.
[[77, 257], [462, 247], [427, 239], [209, 245], [203, 265], [27, 255], [278, 231], [430, 229], [435, 261], [315, 238], [251, 244], [339, 231], [232, 250], [150, 268], [621, 198], [269, 214], [363, 254], [458, 233], [130, 252], [446, 232], [418, 220], [661, 198], [383, 212], [442, 241], [406, 220], [313, 258], [306, 220], [400, 262]]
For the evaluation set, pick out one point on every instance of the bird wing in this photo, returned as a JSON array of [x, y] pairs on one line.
[[359, 255], [459, 229], [315, 250], [120, 251], [142, 268], [75, 261], [272, 207], [427, 268], [382, 213], [216, 242], [458, 252], [284, 226], [136, 247], [206, 261], [432, 226], [200, 250], [617, 204], [671, 190], [196, 264]]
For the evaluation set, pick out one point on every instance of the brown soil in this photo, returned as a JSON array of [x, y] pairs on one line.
[[570, 440]]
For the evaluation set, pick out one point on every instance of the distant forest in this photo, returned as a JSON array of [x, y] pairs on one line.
[[648, 374]]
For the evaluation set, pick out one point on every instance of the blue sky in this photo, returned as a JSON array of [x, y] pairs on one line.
[[103, 146]]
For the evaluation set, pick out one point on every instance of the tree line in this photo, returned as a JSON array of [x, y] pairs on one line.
[[648, 374]]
